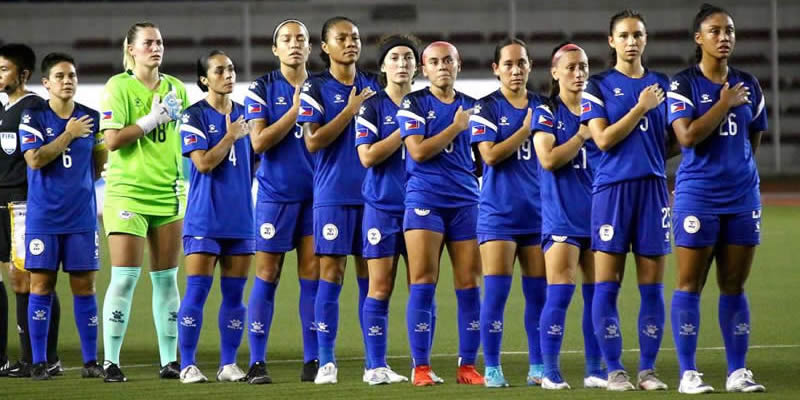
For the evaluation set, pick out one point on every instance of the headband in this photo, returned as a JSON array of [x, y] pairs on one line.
[[394, 42], [563, 49], [288, 21]]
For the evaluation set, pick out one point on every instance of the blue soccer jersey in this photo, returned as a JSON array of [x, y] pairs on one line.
[[510, 189], [385, 184], [567, 191], [611, 95], [220, 204], [338, 173], [447, 180], [719, 174], [286, 173], [61, 196]]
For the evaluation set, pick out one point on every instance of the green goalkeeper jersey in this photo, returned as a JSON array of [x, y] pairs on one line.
[[145, 176]]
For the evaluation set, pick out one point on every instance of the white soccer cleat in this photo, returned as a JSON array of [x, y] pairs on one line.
[[648, 380], [547, 384], [376, 376], [692, 383], [618, 381], [327, 374], [230, 373], [435, 378], [594, 382], [742, 380], [192, 374], [394, 377]]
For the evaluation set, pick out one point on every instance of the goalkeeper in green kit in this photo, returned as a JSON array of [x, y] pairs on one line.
[[144, 198]]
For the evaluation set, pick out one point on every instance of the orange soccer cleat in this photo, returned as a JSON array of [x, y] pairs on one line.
[[421, 376], [468, 375]]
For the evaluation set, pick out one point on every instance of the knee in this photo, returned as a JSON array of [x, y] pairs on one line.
[[380, 290], [333, 274], [268, 272], [731, 285], [41, 288]]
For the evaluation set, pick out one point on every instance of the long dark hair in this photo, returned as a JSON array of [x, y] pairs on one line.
[[324, 37], [626, 13], [202, 67], [508, 42], [706, 10]]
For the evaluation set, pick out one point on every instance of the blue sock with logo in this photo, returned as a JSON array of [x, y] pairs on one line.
[[685, 316], [231, 318], [605, 318], [308, 296], [376, 321], [190, 316], [85, 309], [259, 318], [651, 324], [552, 327], [495, 295], [469, 324], [419, 322], [592, 353], [38, 325], [326, 312], [734, 322], [535, 291]]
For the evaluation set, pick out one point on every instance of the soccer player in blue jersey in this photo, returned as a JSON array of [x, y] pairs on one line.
[[718, 115], [65, 155], [625, 110], [284, 200], [566, 154], [501, 128], [441, 209], [219, 218], [380, 149], [329, 104]]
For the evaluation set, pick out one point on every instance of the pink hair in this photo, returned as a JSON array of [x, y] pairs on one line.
[[441, 43], [563, 49]]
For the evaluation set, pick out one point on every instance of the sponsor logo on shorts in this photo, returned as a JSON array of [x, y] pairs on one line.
[[606, 232], [125, 214], [559, 239], [691, 224], [267, 231], [330, 232], [422, 211], [374, 236], [36, 247]]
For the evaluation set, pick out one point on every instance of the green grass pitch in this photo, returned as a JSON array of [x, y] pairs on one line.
[[773, 288]]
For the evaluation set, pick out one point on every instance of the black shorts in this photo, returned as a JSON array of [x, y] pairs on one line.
[[8, 195]]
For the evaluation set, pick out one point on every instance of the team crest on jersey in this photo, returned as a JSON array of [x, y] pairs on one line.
[[330, 232], [26, 119], [253, 85], [476, 110], [504, 120], [478, 130], [281, 101], [691, 224], [362, 110], [673, 86], [8, 140], [36, 247], [338, 98], [406, 103], [606, 232], [306, 86], [374, 236], [267, 231], [705, 98], [618, 92], [422, 211], [185, 118], [431, 114]]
